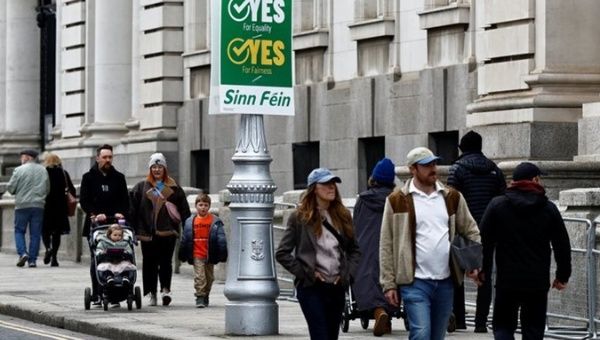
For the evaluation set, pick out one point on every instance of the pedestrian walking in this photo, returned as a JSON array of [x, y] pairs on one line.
[[103, 196], [56, 219], [368, 212], [318, 247], [203, 245], [158, 205], [30, 185], [419, 221], [479, 180], [524, 229]]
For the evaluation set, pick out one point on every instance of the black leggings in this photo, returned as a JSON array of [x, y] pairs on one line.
[[51, 239], [158, 263]]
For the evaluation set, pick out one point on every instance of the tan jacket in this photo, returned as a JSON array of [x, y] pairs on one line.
[[398, 235]]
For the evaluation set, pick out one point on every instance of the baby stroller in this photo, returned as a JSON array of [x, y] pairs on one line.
[[351, 312], [121, 286]]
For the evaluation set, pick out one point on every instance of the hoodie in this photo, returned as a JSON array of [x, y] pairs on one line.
[[521, 226], [478, 179]]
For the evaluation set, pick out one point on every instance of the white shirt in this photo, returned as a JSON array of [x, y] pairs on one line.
[[432, 239]]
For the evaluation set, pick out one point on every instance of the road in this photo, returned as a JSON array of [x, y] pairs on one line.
[[19, 329]]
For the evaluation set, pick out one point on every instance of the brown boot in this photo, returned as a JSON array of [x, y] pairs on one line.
[[388, 327], [381, 321]]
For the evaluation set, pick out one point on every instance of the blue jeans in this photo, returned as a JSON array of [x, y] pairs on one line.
[[322, 305], [34, 217], [428, 305]]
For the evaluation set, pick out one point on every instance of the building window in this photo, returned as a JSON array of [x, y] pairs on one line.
[[445, 145], [306, 158], [200, 163], [370, 151]]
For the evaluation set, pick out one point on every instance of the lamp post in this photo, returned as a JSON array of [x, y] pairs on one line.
[[251, 285]]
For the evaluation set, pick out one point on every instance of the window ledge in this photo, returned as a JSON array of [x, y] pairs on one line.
[[196, 59], [370, 29], [452, 15], [311, 39]]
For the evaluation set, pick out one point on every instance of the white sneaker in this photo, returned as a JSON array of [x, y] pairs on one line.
[[152, 299]]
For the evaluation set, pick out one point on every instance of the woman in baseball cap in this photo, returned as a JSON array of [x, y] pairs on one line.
[[319, 248]]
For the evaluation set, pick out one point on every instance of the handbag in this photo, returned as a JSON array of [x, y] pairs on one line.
[[171, 208], [467, 253], [71, 200]]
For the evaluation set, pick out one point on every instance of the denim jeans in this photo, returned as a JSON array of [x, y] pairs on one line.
[[322, 305], [34, 217], [428, 305]]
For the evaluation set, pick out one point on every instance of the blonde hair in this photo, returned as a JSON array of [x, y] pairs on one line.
[[113, 228], [52, 159]]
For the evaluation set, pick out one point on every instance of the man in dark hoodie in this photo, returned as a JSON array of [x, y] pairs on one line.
[[103, 195], [368, 213], [520, 226], [479, 180]]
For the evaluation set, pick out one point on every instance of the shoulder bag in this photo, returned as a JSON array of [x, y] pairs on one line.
[[71, 200]]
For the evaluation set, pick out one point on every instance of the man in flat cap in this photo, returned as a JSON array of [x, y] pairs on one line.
[[418, 223], [30, 185], [520, 226]]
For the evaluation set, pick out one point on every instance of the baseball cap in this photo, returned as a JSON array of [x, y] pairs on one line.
[[421, 156], [322, 175], [526, 171]]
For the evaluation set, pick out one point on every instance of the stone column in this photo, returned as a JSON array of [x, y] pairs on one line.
[[532, 88], [20, 98], [108, 69]]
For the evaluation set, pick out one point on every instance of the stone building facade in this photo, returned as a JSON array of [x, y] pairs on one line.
[[374, 78]]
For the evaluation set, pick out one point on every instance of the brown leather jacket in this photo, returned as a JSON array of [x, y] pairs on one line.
[[301, 237], [149, 215]]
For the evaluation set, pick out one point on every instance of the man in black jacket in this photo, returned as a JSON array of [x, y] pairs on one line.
[[479, 180], [520, 226], [103, 195]]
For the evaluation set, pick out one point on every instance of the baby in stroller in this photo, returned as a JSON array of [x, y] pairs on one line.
[[114, 256]]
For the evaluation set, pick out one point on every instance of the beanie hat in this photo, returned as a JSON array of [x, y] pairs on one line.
[[157, 158], [383, 172], [471, 141]]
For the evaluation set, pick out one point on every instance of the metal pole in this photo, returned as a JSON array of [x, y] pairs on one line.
[[251, 285]]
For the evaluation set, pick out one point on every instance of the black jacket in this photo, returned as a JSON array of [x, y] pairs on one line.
[[368, 213], [520, 226], [299, 238], [103, 194], [478, 179], [55, 210]]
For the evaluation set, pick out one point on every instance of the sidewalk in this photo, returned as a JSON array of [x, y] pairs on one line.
[[54, 296]]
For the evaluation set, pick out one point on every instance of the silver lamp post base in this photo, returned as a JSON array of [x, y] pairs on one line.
[[251, 285]]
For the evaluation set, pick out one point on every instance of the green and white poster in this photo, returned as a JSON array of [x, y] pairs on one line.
[[251, 57]]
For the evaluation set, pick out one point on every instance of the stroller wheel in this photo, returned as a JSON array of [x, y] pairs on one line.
[[345, 324], [129, 302], [138, 297], [364, 322], [87, 298], [105, 304]]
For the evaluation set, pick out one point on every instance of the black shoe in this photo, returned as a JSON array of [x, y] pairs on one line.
[[22, 260], [452, 323], [481, 329], [54, 262], [47, 256]]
